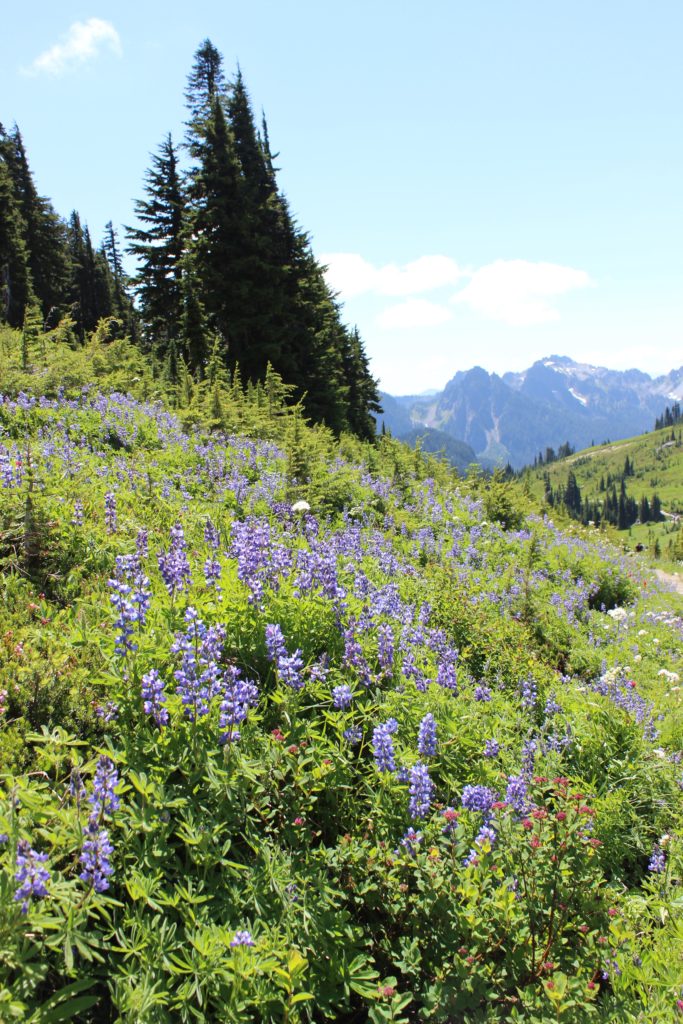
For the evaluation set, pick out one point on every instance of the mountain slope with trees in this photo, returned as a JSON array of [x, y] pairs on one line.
[[634, 486]]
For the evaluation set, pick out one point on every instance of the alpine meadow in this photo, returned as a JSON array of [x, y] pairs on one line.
[[298, 724]]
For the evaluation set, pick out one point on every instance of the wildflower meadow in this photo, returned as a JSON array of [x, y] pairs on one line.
[[296, 729]]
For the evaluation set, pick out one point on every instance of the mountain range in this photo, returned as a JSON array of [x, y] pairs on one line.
[[514, 417]]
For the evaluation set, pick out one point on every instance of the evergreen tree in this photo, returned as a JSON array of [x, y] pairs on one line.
[[16, 288], [622, 518], [220, 244], [656, 509], [43, 231], [572, 494], [362, 389], [253, 274], [90, 289], [193, 331], [158, 247], [644, 510], [121, 302], [206, 81]]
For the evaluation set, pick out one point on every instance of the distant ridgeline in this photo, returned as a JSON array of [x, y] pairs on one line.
[[224, 272]]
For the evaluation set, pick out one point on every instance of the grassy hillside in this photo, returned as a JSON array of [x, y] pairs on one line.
[[656, 467], [298, 731]]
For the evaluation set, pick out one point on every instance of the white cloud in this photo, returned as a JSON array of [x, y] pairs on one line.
[[350, 274], [414, 313], [82, 43], [517, 291]]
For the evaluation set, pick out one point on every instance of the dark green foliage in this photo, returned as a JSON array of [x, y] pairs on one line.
[[670, 417], [90, 290], [220, 262], [158, 247], [16, 286], [44, 235]]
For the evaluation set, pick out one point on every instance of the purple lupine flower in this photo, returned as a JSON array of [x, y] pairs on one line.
[[353, 735], [242, 938], [446, 675], [342, 696], [491, 748], [76, 787], [551, 707], [131, 597], [30, 874], [154, 697], [319, 669], [259, 560], [212, 535], [528, 693], [486, 834], [199, 676], [95, 854], [421, 790], [77, 517], [482, 693], [108, 712], [411, 840], [110, 519], [354, 657], [103, 799], [383, 747], [529, 750], [426, 736], [173, 564], [657, 860], [238, 696], [516, 793], [385, 647], [212, 573], [478, 798], [142, 544], [275, 642], [289, 668]]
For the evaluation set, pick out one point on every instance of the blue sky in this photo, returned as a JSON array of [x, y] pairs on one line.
[[489, 182]]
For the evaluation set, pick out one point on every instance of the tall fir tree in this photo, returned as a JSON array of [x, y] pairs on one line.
[[44, 234], [158, 248], [16, 288], [90, 289], [206, 81], [219, 234], [122, 304]]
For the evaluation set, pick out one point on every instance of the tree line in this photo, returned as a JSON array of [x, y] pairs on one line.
[[615, 506], [225, 280], [670, 417]]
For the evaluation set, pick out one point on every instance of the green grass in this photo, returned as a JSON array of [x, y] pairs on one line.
[[657, 462]]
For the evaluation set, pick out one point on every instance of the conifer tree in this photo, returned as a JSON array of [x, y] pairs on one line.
[[16, 288], [158, 247], [90, 288], [43, 231], [362, 389], [206, 81]]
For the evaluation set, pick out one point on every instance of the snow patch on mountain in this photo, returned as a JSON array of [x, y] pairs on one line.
[[578, 397]]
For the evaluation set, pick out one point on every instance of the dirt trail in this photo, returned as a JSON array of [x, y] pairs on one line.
[[675, 581]]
